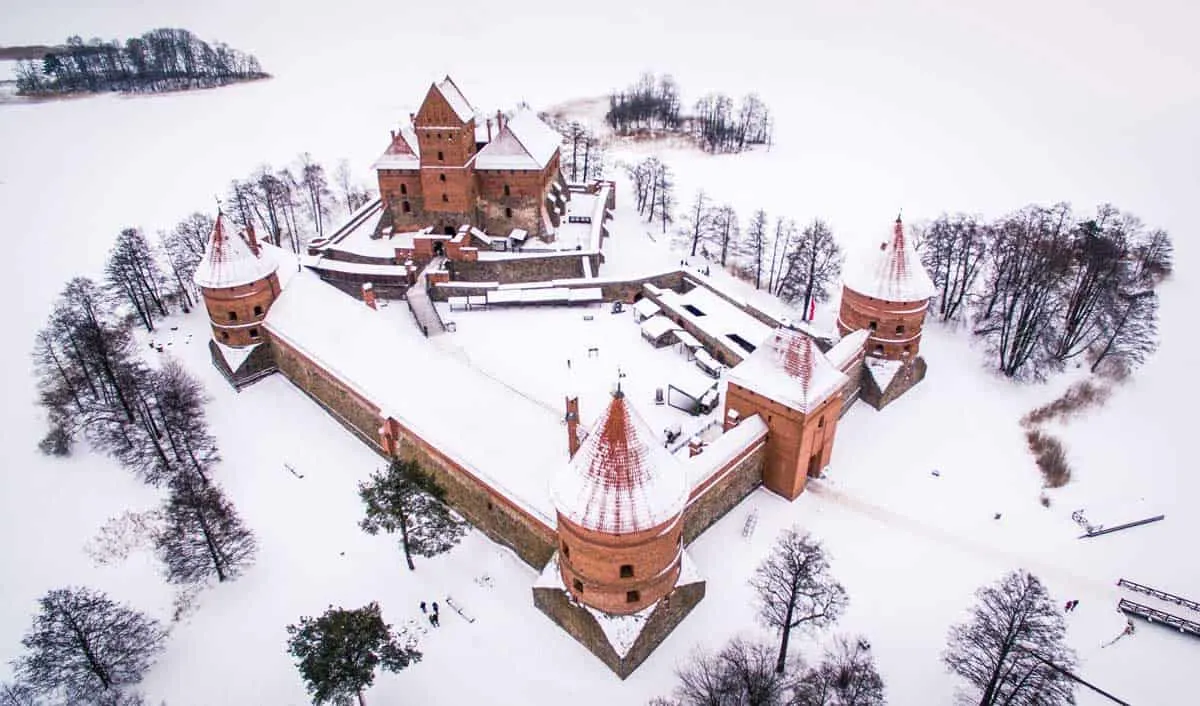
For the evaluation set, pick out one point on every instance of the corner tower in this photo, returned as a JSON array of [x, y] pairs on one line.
[[798, 392], [887, 295], [619, 502], [238, 284]]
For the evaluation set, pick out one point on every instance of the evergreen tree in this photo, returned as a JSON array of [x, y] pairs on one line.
[[339, 652], [83, 646], [405, 499]]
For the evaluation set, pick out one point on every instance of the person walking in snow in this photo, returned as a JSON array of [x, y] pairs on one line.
[[423, 607]]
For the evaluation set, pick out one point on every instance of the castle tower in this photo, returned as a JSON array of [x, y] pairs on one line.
[[619, 503], [888, 296], [798, 393], [445, 133], [238, 284]]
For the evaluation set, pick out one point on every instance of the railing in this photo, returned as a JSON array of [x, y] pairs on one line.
[[1161, 595], [1157, 616]]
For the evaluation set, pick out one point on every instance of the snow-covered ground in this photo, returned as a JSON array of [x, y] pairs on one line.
[[877, 107]]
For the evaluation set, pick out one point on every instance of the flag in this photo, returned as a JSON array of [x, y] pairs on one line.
[[812, 309]]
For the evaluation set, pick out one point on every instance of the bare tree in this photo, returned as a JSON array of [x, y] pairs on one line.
[[133, 276], [178, 403], [353, 195], [1003, 649], [316, 191], [1021, 300], [644, 176], [756, 244], [1154, 256], [1099, 250], [785, 231], [1130, 331], [813, 267], [795, 588], [846, 676], [741, 674], [725, 231], [405, 499], [83, 644], [698, 223], [17, 694], [954, 251], [202, 536]]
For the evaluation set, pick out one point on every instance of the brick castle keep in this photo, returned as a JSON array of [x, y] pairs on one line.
[[611, 538]]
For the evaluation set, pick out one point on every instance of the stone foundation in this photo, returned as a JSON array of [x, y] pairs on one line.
[[580, 624]]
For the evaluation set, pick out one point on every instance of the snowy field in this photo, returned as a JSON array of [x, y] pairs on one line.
[[926, 107]]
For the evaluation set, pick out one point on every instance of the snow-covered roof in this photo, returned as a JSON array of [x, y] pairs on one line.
[[844, 350], [646, 308], [658, 326], [458, 102], [524, 143], [789, 369], [894, 273], [622, 479], [228, 261], [403, 153]]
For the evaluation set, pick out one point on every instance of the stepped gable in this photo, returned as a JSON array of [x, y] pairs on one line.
[[894, 274], [790, 370], [230, 261], [525, 142], [622, 480]]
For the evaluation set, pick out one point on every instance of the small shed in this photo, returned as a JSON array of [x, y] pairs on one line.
[[707, 363], [688, 344], [692, 392], [660, 331], [644, 309]]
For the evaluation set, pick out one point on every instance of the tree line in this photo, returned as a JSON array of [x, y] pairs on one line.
[[717, 122], [583, 157], [1044, 286], [159, 60]]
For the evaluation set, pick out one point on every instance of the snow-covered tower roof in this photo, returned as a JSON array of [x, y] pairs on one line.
[[230, 261], [893, 274], [622, 480], [790, 370]]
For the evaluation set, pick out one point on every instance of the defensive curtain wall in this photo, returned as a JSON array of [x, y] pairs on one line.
[[731, 472]]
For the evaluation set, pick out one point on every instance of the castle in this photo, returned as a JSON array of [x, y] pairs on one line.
[[606, 516]]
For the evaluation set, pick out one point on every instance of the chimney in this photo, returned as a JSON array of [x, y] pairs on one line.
[[489, 124], [572, 426], [251, 238], [368, 292], [732, 419], [695, 446]]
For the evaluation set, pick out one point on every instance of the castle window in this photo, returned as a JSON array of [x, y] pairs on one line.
[[874, 325], [566, 550], [404, 188], [907, 351], [224, 335], [820, 422], [406, 207], [441, 177], [899, 330], [441, 157], [878, 350], [626, 571], [508, 213], [445, 198], [253, 333], [578, 585], [233, 316], [632, 596], [258, 311], [507, 192]]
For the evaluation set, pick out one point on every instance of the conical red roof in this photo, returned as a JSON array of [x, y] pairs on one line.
[[622, 479], [229, 261], [894, 273]]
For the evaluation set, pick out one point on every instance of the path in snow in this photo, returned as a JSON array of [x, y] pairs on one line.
[[1098, 589], [419, 304]]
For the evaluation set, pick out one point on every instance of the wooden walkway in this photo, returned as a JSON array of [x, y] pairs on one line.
[[1183, 615], [428, 320]]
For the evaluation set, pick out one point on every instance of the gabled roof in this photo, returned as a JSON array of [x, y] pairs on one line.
[[622, 479], [894, 273], [228, 261], [403, 153], [789, 369], [458, 102], [525, 142]]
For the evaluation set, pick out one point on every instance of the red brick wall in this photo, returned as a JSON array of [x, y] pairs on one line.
[[898, 325], [394, 197], [458, 189], [595, 560], [793, 438], [241, 302]]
